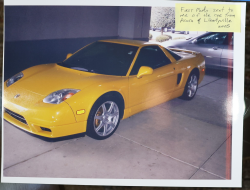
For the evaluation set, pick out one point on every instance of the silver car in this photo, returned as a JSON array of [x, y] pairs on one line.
[[216, 47], [182, 32]]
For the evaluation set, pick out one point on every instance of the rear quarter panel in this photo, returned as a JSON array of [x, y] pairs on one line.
[[187, 64]]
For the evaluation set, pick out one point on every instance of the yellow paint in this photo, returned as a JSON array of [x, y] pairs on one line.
[[208, 17], [79, 112], [65, 118], [144, 71], [69, 55], [56, 131]]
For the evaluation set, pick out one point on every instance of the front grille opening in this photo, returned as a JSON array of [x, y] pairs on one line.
[[45, 129], [16, 116]]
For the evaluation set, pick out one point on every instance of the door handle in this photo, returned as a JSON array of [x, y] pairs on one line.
[[215, 47]]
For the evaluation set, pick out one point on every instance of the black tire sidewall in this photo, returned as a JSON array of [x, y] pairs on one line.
[[90, 127]]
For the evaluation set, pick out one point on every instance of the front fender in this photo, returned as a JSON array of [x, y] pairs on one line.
[[85, 99]]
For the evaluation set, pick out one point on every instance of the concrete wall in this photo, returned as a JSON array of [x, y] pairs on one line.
[[146, 22], [45, 34], [134, 22], [126, 22], [59, 22]]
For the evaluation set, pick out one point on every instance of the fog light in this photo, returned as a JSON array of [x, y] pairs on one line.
[[45, 129]]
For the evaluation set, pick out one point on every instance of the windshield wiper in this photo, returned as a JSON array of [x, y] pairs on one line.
[[79, 68]]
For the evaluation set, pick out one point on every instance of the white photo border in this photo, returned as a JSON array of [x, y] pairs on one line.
[[238, 102]]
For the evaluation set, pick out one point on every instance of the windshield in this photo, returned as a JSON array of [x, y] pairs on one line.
[[103, 58]]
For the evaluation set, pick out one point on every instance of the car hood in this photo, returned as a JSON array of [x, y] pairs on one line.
[[45, 79]]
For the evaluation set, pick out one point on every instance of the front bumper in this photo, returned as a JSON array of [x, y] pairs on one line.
[[51, 122], [55, 131]]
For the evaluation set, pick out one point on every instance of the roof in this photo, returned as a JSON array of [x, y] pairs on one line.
[[128, 42]]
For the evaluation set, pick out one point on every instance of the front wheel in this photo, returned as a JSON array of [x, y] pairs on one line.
[[103, 119], [191, 87]]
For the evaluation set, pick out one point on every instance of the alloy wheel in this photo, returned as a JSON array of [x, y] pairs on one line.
[[192, 86], [106, 118]]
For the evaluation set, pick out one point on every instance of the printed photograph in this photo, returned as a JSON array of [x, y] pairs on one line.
[[115, 92]]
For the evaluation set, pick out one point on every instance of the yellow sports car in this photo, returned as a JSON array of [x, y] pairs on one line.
[[100, 84]]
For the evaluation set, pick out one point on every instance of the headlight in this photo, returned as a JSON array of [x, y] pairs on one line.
[[59, 96], [15, 78]]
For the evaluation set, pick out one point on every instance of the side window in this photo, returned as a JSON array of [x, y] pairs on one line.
[[150, 56], [177, 57], [215, 38]]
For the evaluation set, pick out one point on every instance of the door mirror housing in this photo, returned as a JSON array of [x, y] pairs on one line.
[[69, 55], [194, 41], [144, 71]]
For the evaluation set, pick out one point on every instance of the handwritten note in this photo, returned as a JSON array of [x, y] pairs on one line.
[[207, 17]]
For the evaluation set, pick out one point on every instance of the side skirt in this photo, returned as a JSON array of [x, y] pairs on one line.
[[149, 104]]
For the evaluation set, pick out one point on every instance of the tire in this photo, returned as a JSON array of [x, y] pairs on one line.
[[191, 87], [104, 118]]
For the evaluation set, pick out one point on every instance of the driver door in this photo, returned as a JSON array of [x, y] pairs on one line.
[[145, 92]]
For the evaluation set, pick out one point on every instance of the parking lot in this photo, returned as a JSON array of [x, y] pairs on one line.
[[175, 140]]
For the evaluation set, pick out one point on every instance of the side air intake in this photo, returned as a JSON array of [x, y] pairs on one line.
[[179, 78]]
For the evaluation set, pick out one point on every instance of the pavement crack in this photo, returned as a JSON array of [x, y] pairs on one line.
[[158, 151], [197, 167], [38, 155], [212, 173], [209, 83], [200, 168], [189, 116]]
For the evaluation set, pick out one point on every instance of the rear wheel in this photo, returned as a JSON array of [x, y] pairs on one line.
[[104, 118], [191, 87]]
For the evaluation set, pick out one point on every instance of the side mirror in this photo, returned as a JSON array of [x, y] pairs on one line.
[[194, 41], [69, 55], [144, 71]]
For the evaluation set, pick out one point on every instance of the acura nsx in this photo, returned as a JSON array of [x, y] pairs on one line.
[[97, 86]]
